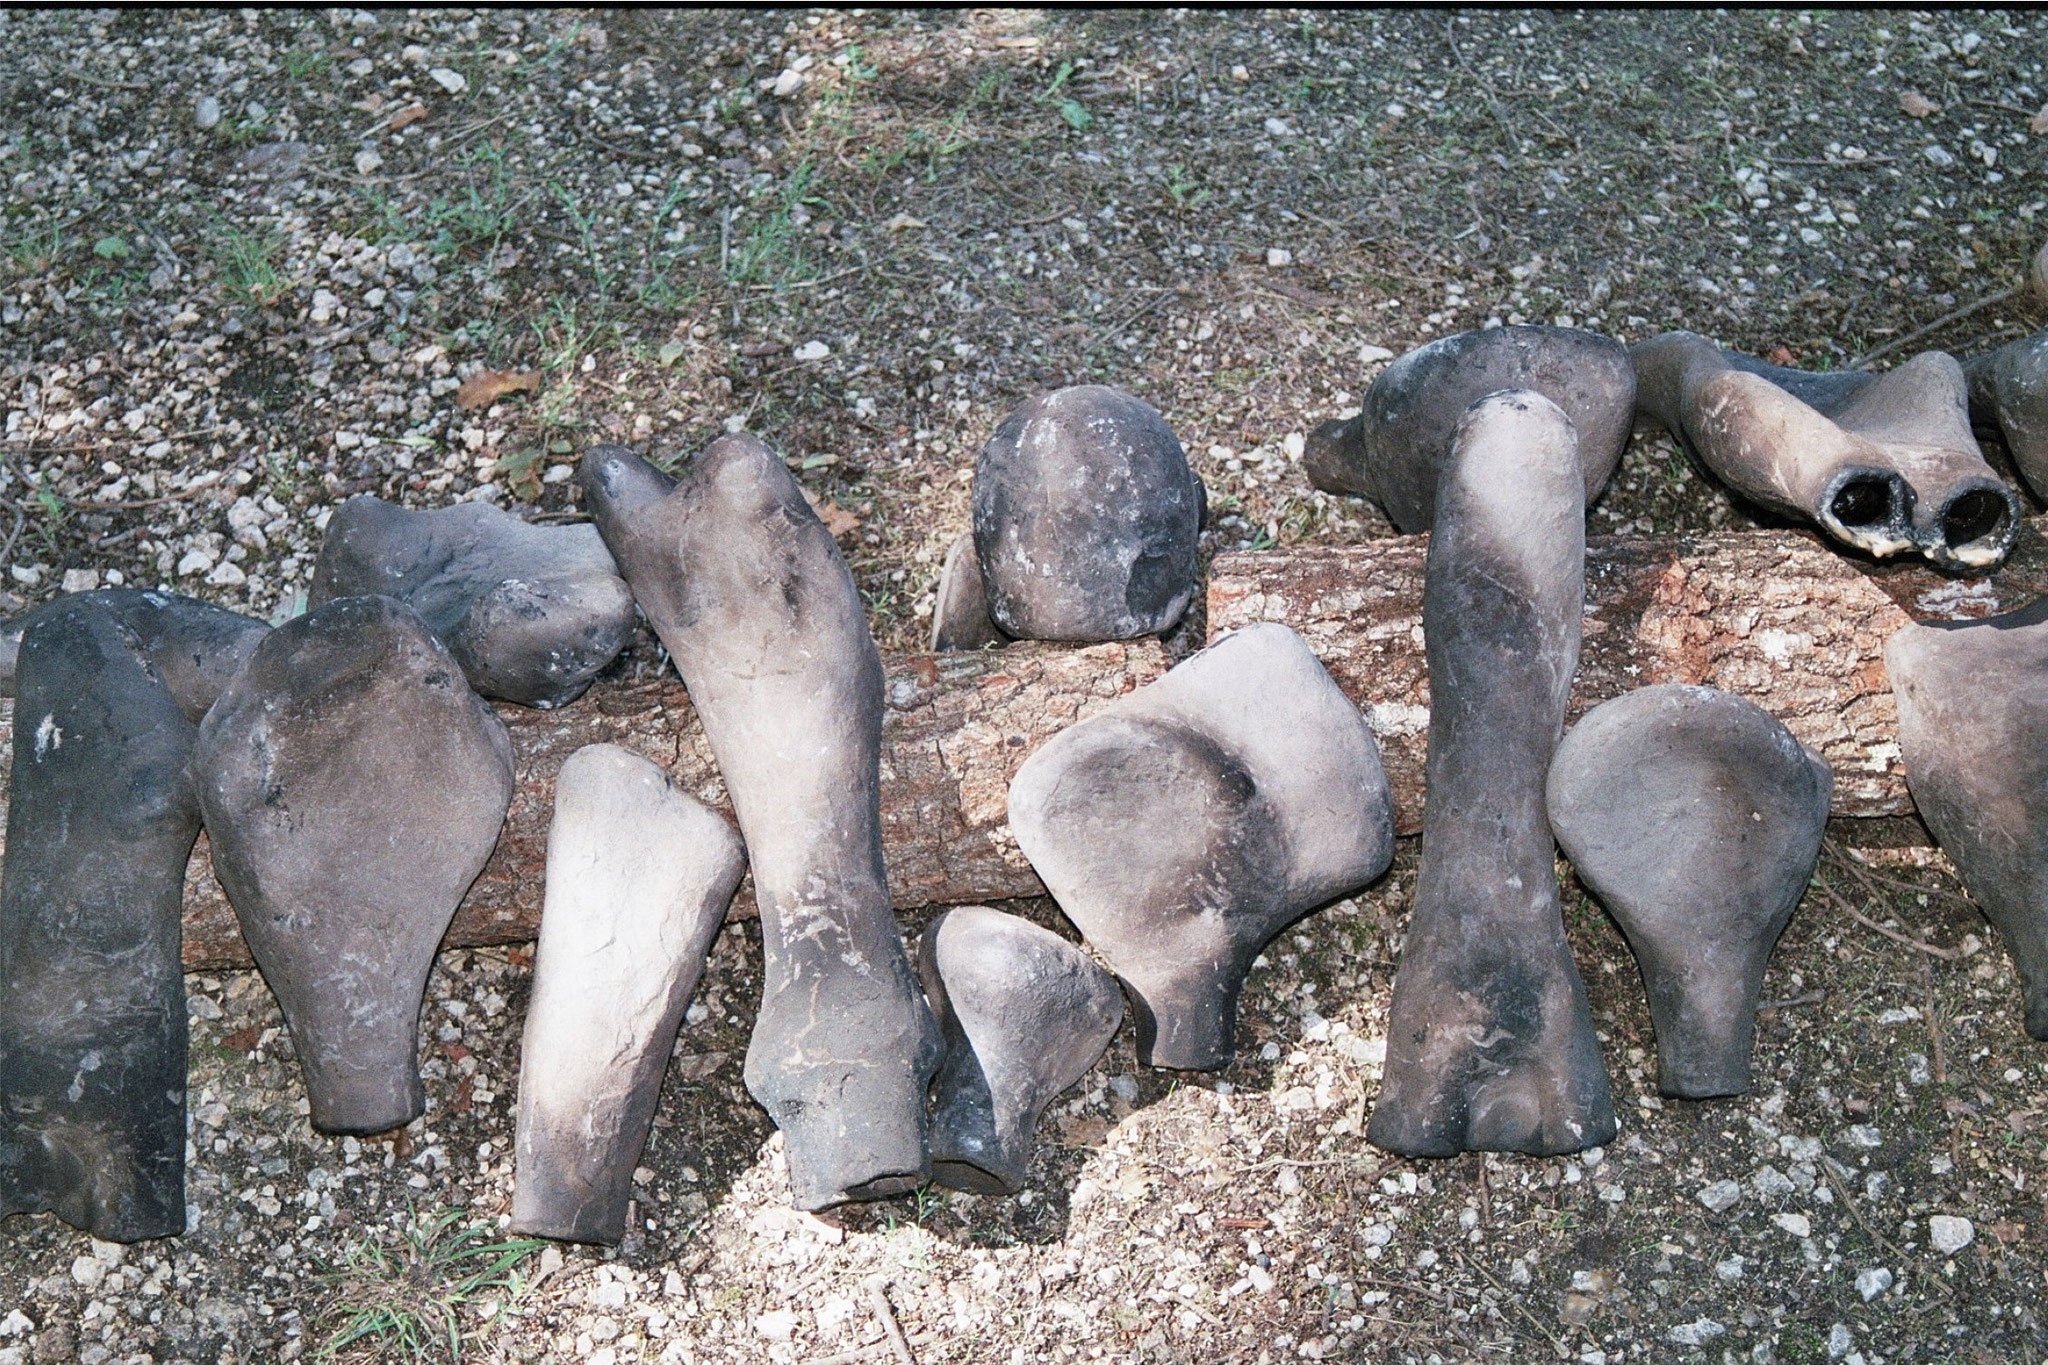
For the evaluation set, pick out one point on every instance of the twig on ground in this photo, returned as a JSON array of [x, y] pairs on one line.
[[1990, 301], [1796, 1002], [1945, 954], [878, 1300], [1934, 1027], [1500, 115], [1865, 873], [1556, 1343]]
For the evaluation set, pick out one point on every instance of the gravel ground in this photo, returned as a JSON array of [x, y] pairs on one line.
[[251, 259]]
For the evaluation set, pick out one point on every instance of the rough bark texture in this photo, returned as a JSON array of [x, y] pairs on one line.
[[1774, 616]]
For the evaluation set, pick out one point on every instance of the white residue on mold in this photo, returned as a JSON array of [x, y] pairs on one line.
[[49, 737]]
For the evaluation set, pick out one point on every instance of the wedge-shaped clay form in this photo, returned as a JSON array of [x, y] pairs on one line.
[[1186, 824], [2009, 391], [960, 618], [1489, 1043], [747, 590], [353, 787], [1025, 1014], [1973, 731], [195, 647], [1086, 518], [1394, 450], [532, 613], [1885, 464], [1696, 818], [100, 821], [639, 877]]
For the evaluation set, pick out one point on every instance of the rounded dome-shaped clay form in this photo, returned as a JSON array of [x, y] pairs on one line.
[[1024, 1014], [748, 591], [101, 819], [1973, 732], [532, 613], [639, 877], [1696, 818], [1184, 825], [2009, 391], [1884, 464], [1489, 1043], [1394, 450], [1086, 519], [960, 618], [353, 787]]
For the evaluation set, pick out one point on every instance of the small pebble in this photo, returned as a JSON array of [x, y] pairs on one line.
[[1721, 1195], [1872, 1282], [206, 111], [454, 82], [1948, 1234]]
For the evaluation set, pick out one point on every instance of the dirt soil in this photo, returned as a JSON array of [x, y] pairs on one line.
[[251, 259]]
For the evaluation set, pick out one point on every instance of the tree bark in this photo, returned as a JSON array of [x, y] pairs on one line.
[[1775, 616]]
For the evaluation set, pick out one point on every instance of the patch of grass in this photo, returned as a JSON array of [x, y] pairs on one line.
[[772, 252], [407, 1301], [1182, 190], [247, 258], [1071, 111], [300, 63], [33, 251]]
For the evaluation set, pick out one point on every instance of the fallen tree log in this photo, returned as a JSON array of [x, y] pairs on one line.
[[1773, 615]]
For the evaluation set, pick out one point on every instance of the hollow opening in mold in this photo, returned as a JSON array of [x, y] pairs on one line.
[[1977, 515], [1863, 502]]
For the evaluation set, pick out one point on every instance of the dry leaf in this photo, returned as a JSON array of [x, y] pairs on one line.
[[1917, 104], [2038, 124], [902, 221], [406, 117], [1082, 1132], [1782, 355], [697, 1066], [486, 387], [836, 518]]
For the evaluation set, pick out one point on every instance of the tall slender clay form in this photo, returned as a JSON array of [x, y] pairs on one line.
[[639, 877], [1696, 818], [960, 618], [532, 613], [1025, 1014], [749, 593], [1885, 464], [2009, 391], [101, 819], [1489, 1043], [1184, 825], [1394, 450], [1086, 518], [353, 787], [1973, 731]]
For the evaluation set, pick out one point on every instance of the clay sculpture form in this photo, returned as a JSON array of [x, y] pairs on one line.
[[1696, 818], [195, 647], [1024, 1014], [2009, 391], [1086, 519], [1973, 731], [101, 819], [1489, 1043], [960, 618], [1186, 824], [532, 613], [639, 877], [353, 787], [1885, 464], [748, 591], [1394, 450]]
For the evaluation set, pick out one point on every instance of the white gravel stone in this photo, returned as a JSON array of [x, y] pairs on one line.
[[1949, 1234], [1798, 1224], [1770, 1183], [206, 111], [81, 580], [367, 161], [1278, 256], [779, 1325], [452, 81], [227, 574], [1721, 1195], [1840, 1342], [787, 84], [1695, 1333], [1872, 1282], [812, 350]]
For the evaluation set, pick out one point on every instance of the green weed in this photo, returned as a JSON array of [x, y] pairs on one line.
[[772, 252], [407, 1301], [248, 261]]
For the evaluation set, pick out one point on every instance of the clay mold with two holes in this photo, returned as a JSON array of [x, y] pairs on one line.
[[639, 878], [748, 591], [1086, 519], [1394, 450], [1024, 1014], [1883, 463], [532, 613], [1184, 825], [353, 787], [1696, 818], [1489, 1043]]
